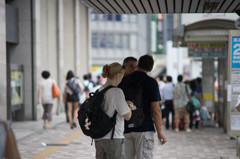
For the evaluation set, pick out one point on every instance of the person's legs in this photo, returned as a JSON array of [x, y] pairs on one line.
[[144, 145], [100, 154], [69, 104], [66, 112], [186, 118], [75, 111], [110, 149], [191, 120], [44, 116], [177, 118], [167, 110], [172, 110], [49, 114], [129, 146]]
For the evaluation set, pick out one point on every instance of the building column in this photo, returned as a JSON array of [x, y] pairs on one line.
[[77, 36], [208, 83], [3, 63]]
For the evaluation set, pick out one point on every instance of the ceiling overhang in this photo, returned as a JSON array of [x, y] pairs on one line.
[[163, 6]]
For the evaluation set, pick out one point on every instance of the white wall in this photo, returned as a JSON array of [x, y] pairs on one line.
[[175, 61]]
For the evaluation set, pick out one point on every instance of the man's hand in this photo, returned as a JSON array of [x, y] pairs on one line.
[[162, 137]]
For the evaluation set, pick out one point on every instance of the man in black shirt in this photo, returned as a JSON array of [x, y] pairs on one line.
[[140, 140]]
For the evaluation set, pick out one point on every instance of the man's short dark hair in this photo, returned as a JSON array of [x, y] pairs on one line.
[[169, 78], [130, 58], [180, 78], [45, 74], [146, 62], [161, 77]]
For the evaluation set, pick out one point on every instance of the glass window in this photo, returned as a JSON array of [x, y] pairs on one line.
[[125, 18], [109, 17], [118, 17], [102, 40], [93, 16], [94, 40], [133, 42], [117, 41], [133, 18], [110, 41], [125, 41], [101, 17]]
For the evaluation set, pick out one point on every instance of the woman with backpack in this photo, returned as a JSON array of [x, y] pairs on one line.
[[114, 101], [71, 97]]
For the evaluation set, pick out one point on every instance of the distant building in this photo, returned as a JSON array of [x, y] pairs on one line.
[[116, 36]]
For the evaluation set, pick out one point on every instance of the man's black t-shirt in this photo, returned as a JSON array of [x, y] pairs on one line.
[[150, 94]]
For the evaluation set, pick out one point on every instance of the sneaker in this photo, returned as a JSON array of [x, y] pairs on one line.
[[188, 130], [216, 125], [177, 130]]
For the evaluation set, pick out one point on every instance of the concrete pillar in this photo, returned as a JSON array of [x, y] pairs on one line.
[[60, 45], [221, 90], [208, 83], [3, 63], [77, 24]]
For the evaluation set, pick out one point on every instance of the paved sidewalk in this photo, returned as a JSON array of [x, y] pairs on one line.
[[60, 142], [25, 128]]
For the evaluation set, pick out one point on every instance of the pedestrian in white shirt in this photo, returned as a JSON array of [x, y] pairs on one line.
[[167, 100]]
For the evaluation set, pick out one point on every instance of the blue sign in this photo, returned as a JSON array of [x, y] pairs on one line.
[[236, 52]]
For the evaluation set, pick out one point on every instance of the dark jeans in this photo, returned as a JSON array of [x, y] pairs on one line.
[[168, 109]]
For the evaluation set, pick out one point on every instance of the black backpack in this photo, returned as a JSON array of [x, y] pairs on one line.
[[73, 85], [133, 92], [93, 121]]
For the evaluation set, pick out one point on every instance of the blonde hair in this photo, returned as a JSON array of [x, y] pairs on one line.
[[109, 71]]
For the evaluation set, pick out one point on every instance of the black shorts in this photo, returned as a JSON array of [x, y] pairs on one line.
[[72, 98]]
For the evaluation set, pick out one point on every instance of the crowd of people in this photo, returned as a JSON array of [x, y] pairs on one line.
[[140, 138], [160, 100], [175, 102]]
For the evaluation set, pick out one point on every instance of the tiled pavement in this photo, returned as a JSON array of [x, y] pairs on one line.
[[204, 143]]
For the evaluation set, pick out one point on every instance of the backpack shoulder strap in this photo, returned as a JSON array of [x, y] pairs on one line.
[[106, 89]]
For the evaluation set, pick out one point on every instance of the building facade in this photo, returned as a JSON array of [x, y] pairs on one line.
[[39, 35], [116, 36]]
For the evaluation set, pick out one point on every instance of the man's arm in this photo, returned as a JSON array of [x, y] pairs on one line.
[[157, 116]]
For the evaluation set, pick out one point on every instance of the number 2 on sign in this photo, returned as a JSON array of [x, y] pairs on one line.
[[236, 49]]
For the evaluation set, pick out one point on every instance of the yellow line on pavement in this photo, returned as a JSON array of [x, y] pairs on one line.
[[50, 150]]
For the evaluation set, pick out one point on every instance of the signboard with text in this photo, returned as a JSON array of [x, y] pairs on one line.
[[233, 90], [207, 50], [236, 52]]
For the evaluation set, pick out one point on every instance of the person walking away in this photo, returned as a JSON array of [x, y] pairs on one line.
[[140, 140], [181, 96], [130, 65], [167, 99], [87, 84], [161, 84], [114, 101], [72, 98], [45, 93]]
